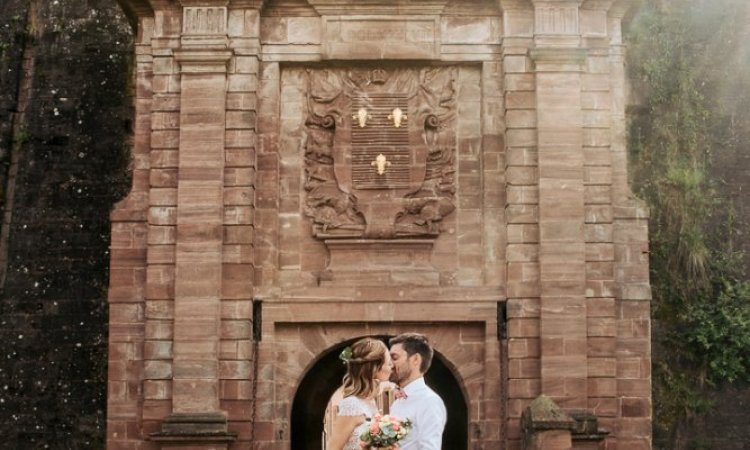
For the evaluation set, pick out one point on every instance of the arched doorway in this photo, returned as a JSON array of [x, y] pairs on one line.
[[322, 380]]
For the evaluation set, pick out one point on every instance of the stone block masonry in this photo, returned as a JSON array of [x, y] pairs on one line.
[[258, 238]]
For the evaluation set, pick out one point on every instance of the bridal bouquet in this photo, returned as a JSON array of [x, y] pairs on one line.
[[384, 432]]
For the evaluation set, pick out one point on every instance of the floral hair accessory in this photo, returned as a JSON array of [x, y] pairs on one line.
[[346, 354]]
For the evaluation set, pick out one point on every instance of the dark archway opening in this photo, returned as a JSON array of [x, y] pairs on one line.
[[322, 380]]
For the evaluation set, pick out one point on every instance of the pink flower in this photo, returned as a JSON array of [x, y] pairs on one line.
[[396, 426], [375, 427]]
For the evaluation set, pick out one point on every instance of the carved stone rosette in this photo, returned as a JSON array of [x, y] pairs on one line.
[[379, 151]]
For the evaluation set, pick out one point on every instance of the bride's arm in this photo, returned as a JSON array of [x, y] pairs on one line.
[[343, 426]]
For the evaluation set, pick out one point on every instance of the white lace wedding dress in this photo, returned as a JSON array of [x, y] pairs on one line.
[[355, 406]]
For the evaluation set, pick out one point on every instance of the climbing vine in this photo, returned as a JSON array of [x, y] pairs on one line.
[[683, 60]]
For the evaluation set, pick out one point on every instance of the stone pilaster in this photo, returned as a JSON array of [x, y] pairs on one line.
[[521, 213], [196, 418], [199, 230], [559, 57]]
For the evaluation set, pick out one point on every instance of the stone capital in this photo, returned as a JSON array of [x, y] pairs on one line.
[[251, 4], [203, 61], [557, 59]]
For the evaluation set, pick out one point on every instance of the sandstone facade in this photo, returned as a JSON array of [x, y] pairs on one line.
[[282, 207]]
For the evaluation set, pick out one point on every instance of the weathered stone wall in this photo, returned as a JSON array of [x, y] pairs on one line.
[[12, 38], [252, 198], [65, 113]]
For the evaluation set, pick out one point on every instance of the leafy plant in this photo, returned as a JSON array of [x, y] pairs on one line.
[[701, 302], [22, 136]]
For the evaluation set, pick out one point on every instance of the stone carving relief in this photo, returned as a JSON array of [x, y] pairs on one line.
[[379, 151]]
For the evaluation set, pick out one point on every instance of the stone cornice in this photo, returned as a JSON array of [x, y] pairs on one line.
[[556, 2], [597, 4], [400, 7], [145, 8], [203, 2], [514, 4], [253, 4]]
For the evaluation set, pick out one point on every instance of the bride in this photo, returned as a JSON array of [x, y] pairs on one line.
[[368, 363]]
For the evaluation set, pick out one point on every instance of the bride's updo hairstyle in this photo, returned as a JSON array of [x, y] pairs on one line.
[[363, 360]]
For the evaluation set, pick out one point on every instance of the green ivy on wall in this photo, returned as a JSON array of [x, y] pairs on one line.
[[682, 58]]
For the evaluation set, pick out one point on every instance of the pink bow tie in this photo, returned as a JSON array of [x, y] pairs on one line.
[[399, 394]]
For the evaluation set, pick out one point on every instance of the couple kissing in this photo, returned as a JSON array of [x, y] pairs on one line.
[[417, 416]]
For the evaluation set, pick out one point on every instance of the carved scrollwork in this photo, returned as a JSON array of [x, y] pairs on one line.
[[434, 200], [327, 204]]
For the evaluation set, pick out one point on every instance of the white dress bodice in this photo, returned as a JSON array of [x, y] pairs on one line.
[[355, 406]]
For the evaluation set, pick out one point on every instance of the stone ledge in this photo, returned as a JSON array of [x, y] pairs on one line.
[[194, 428]]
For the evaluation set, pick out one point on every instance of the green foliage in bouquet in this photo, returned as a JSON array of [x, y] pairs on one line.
[[384, 432]]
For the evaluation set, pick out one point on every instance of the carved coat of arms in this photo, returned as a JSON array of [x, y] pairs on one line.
[[379, 151]]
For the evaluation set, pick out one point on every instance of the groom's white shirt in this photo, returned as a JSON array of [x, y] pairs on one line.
[[427, 413]]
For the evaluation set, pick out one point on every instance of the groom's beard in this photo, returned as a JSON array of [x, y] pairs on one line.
[[398, 376]]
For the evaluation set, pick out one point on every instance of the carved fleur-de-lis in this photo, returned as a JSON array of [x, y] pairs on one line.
[[361, 117], [397, 116], [380, 163]]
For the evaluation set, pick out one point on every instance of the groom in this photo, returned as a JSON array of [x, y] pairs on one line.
[[412, 356]]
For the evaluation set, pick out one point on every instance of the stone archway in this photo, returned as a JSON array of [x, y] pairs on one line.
[[324, 377]]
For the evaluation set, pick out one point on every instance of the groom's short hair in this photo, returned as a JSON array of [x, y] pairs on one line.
[[415, 343]]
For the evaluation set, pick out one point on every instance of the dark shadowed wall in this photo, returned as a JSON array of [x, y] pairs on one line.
[[65, 112]]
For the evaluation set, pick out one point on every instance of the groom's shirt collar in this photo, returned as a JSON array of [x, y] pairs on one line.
[[414, 386]]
